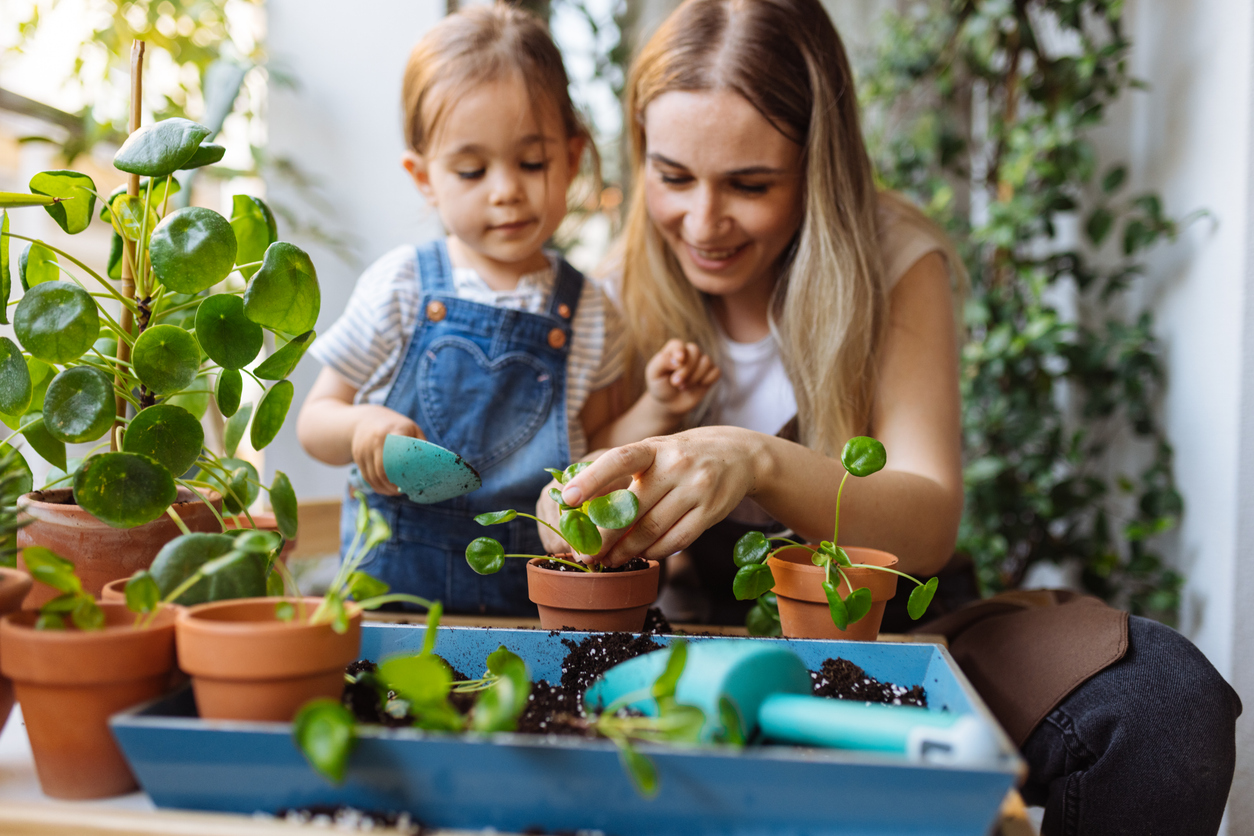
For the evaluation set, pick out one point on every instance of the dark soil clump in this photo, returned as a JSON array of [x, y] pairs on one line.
[[597, 654], [633, 565], [655, 622], [550, 710], [351, 819], [843, 680]]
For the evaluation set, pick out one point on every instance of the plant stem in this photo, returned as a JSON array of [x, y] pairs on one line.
[[884, 569], [174, 515], [546, 525], [580, 566], [189, 483], [128, 248], [76, 263], [836, 522]]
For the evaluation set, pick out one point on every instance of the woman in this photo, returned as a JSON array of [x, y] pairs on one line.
[[757, 233]]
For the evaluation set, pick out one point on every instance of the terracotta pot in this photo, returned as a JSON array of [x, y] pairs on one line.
[[803, 611], [265, 521], [592, 600], [114, 592], [99, 552], [68, 682], [14, 584], [245, 664]]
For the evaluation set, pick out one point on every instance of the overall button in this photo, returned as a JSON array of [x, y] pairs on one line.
[[563, 310], [557, 338], [436, 311]]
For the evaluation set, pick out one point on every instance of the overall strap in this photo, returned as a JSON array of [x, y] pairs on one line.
[[567, 288], [435, 271]]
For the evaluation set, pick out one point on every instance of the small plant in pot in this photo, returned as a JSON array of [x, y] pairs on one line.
[[828, 592], [570, 593], [15, 480], [196, 292], [262, 658]]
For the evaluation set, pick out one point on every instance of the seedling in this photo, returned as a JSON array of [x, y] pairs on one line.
[[862, 456], [578, 526]]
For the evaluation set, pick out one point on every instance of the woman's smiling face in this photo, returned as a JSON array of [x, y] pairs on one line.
[[724, 188]]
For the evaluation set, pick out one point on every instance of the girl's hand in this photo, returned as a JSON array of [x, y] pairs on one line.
[[373, 425], [685, 483], [679, 375]]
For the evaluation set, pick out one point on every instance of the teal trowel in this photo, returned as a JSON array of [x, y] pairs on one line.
[[771, 691], [426, 472]]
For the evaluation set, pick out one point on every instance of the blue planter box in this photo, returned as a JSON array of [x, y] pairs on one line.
[[517, 782]]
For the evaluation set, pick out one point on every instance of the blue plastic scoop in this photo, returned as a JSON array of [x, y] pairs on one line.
[[427, 472], [771, 690]]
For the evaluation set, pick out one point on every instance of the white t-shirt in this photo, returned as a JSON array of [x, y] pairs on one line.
[[367, 343]]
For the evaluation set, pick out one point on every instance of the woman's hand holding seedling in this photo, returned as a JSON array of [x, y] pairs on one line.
[[678, 377]]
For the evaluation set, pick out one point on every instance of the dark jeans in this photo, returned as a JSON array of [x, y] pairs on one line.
[[1145, 747]]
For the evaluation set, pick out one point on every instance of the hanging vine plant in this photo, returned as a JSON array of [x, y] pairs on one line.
[[982, 111]]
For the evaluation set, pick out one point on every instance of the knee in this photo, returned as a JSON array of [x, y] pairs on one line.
[[1171, 672]]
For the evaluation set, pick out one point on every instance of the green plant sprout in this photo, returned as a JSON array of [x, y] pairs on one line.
[[578, 526], [861, 456], [196, 292]]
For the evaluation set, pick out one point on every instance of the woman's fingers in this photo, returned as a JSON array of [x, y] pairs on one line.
[[616, 465]]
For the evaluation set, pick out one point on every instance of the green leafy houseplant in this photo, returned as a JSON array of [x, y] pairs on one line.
[[861, 456], [78, 368], [985, 113], [577, 526]]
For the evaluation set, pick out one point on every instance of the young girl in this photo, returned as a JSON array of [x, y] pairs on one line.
[[482, 342]]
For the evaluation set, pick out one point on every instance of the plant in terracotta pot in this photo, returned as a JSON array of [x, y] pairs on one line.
[[196, 292], [262, 658], [568, 592], [15, 480], [811, 602]]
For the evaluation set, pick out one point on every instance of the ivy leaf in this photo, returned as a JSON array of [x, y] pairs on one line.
[[920, 598], [1099, 224]]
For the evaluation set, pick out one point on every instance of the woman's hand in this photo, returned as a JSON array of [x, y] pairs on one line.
[[685, 483]]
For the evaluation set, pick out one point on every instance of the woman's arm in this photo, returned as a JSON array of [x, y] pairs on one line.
[[336, 431], [689, 481]]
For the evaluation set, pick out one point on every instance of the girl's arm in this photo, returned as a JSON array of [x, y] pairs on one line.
[[336, 431], [689, 481]]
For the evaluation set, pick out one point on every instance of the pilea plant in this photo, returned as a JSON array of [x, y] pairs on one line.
[[196, 294], [861, 456], [578, 526]]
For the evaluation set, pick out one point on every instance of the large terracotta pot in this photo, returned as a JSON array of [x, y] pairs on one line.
[[68, 682], [803, 611], [99, 552], [592, 600], [14, 584], [245, 664]]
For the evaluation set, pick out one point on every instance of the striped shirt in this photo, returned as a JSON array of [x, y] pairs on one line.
[[367, 343]]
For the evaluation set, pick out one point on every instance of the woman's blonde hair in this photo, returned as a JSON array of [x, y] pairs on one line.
[[478, 45], [829, 309]]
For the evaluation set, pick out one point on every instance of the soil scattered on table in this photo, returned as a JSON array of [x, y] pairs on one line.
[[633, 565], [843, 680], [349, 818]]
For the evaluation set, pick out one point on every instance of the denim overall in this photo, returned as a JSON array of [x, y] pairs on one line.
[[489, 384]]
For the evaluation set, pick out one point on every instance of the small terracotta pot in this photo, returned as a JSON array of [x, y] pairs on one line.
[[99, 552], [14, 584], [592, 600], [69, 681], [245, 664], [803, 611], [114, 592]]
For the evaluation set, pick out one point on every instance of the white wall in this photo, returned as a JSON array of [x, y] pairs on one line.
[[342, 125]]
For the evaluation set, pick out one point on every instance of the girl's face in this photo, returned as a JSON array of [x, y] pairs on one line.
[[723, 187], [497, 170]]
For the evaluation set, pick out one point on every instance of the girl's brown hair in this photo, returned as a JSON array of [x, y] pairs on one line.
[[478, 45], [829, 309]]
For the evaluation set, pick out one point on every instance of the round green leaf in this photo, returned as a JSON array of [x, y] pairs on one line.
[[751, 549], [255, 230], [169, 434], [422, 679], [160, 188], [241, 481], [15, 382], [752, 581], [124, 489], [87, 614], [836, 606], [858, 604], [36, 265], [271, 411], [142, 592], [763, 620], [42, 442], [280, 364], [615, 510], [485, 555], [228, 391], [235, 427], [128, 217], [166, 359], [77, 195], [17, 477], [364, 587], [231, 339], [284, 295], [207, 153], [56, 321], [116, 253], [183, 556], [496, 517], [920, 598], [79, 404], [161, 148], [324, 733], [283, 502], [863, 456], [580, 532], [192, 249]]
